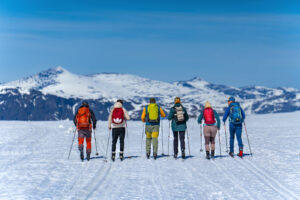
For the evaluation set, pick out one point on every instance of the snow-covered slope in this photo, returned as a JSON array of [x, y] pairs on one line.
[[106, 88], [34, 164]]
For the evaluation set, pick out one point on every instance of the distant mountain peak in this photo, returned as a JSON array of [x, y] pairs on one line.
[[55, 70], [196, 78]]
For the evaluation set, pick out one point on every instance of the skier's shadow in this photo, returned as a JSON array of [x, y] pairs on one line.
[[188, 157], [162, 156], [97, 157], [130, 157], [221, 156], [247, 154], [226, 156]]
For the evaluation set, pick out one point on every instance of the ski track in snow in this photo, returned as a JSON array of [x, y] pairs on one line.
[[34, 164]]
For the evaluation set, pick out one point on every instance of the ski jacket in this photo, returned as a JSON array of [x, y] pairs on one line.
[[161, 113], [126, 117], [180, 126], [217, 117], [93, 119], [227, 112]]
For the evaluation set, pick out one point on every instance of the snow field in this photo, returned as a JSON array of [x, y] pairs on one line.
[[34, 164]]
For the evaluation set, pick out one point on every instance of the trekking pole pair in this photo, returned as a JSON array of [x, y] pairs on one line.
[[74, 139], [109, 133], [201, 149], [246, 135]]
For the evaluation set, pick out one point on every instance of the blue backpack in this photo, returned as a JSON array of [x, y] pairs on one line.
[[236, 114]]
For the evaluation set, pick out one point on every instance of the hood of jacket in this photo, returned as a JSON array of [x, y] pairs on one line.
[[234, 103], [178, 105]]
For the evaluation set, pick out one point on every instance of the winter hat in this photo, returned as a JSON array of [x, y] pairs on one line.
[[231, 99], [152, 100], [207, 105], [120, 101], [85, 103], [177, 100]]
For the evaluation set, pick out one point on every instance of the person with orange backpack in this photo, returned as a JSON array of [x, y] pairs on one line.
[[211, 126], [151, 115], [85, 121], [117, 123]]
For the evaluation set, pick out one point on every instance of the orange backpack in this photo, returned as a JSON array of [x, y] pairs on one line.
[[83, 118]]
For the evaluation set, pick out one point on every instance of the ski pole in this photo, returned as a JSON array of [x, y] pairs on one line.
[[96, 142], [226, 138], [248, 139], [201, 149], [72, 144], [188, 138], [142, 138], [127, 137], [109, 132], [220, 144], [162, 137], [169, 137]]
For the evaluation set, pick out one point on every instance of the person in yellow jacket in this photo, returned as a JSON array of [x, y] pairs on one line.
[[151, 115]]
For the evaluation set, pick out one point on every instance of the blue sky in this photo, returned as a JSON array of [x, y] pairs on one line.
[[235, 43]]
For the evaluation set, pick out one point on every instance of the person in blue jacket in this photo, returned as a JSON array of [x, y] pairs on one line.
[[236, 118], [179, 117]]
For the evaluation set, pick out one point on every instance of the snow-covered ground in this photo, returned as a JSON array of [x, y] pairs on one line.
[[34, 164]]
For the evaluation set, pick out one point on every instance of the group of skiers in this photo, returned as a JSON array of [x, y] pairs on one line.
[[85, 121]]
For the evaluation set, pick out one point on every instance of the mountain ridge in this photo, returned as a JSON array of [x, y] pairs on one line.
[[103, 89]]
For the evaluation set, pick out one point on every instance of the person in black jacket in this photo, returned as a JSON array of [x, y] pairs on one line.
[[85, 121]]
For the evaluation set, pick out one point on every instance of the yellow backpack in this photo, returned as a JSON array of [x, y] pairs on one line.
[[152, 113]]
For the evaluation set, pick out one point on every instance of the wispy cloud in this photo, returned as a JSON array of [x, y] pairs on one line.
[[160, 26]]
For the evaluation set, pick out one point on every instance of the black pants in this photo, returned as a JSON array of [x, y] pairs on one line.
[[182, 143], [116, 133]]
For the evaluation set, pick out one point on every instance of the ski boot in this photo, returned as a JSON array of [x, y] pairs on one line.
[[175, 155], [231, 154], [148, 155], [113, 156], [240, 154], [155, 156], [207, 155], [88, 156], [183, 154], [121, 156], [212, 154], [81, 156]]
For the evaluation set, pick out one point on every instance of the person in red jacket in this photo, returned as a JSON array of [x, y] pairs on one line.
[[85, 121]]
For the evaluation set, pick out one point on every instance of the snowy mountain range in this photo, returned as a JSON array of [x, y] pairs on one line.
[[55, 94]]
